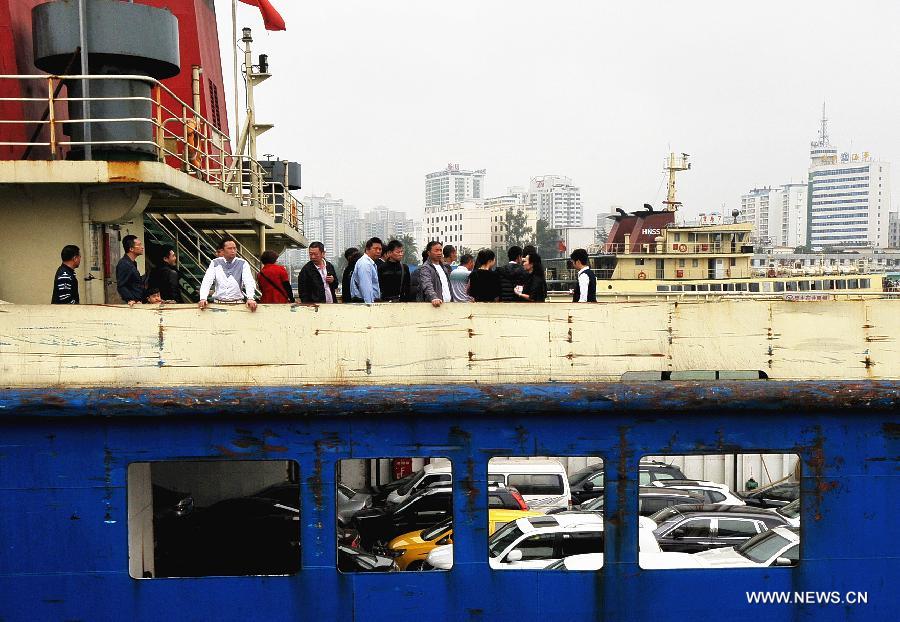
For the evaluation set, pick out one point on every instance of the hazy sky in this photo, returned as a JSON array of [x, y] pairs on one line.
[[370, 96]]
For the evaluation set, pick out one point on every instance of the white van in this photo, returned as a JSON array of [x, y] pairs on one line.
[[542, 483]]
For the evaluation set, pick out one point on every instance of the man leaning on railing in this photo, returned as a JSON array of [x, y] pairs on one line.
[[232, 278]]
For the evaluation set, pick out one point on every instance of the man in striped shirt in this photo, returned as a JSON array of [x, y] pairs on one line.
[[65, 283]]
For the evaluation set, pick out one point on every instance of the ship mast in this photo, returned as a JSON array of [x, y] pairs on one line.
[[674, 164]]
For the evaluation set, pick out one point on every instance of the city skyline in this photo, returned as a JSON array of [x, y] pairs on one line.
[[382, 94]]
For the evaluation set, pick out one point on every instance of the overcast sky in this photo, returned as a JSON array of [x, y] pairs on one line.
[[370, 96]]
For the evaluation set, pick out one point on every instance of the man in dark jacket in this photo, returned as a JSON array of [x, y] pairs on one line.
[[164, 277], [350, 256], [511, 275], [129, 282], [393, 274], [65, 283], [317, 281]]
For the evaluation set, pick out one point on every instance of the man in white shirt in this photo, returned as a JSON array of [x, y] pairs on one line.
[[232, 278], [586, 285]]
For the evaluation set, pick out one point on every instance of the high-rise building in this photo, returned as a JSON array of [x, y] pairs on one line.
[[453, 185], [324, 219], [849, 196], [557, 200], [792, 215], [778, 214], [894, 230], [755, 209]]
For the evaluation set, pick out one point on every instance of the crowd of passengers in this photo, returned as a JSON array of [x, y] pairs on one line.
[[374, 274]]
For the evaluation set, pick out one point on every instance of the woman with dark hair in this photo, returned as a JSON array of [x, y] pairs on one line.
[[535, 288], [484, 283], [352, 255], [273, 281]]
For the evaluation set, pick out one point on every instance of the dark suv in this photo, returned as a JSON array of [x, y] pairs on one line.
[[422, 510], [589, 481], [775, 496], [694, 528]]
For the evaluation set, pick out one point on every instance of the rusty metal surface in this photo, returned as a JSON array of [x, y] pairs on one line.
[[759, 396], [64, 456]]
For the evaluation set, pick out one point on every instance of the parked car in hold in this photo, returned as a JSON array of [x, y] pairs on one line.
[[355, 560], [589, 482], [239, 536], [534, 542], [772, 496], [712, 492], [379, 497], [650, 556], [791, 512], [424, 509], [650, 500], [695, 528], [779, 546], [411, 549], [542, 483], [349, 501]]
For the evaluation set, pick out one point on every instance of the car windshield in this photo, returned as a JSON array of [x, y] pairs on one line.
[[761, 548], [664, 514], [592, 505], [502, 538], [405, 488], [346, 491], [579, 475], [791, 510], [437, 531]]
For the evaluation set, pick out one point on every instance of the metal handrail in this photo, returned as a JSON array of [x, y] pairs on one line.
[[182, 137]]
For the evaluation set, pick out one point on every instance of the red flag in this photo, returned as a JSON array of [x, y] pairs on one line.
[[271, 18]]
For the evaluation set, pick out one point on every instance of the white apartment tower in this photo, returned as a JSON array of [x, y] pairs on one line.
[[453, 185], [556, 200], [778, 214], [849, 197], [324, 218]]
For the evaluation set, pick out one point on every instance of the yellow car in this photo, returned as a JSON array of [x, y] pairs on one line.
[[412, 548]]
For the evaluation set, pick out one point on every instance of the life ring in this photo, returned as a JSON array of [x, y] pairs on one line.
[[642, 275], [682, 248]]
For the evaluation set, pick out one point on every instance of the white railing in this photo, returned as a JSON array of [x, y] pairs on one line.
[[669, 247], [180, 136]]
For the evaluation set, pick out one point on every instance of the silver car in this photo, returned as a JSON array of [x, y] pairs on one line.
[[349, 502]]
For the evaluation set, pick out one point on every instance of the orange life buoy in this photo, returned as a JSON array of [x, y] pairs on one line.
[[642, 275], [682, 248]]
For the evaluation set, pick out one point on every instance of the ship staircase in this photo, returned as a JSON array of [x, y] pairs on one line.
[[194, 248]]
